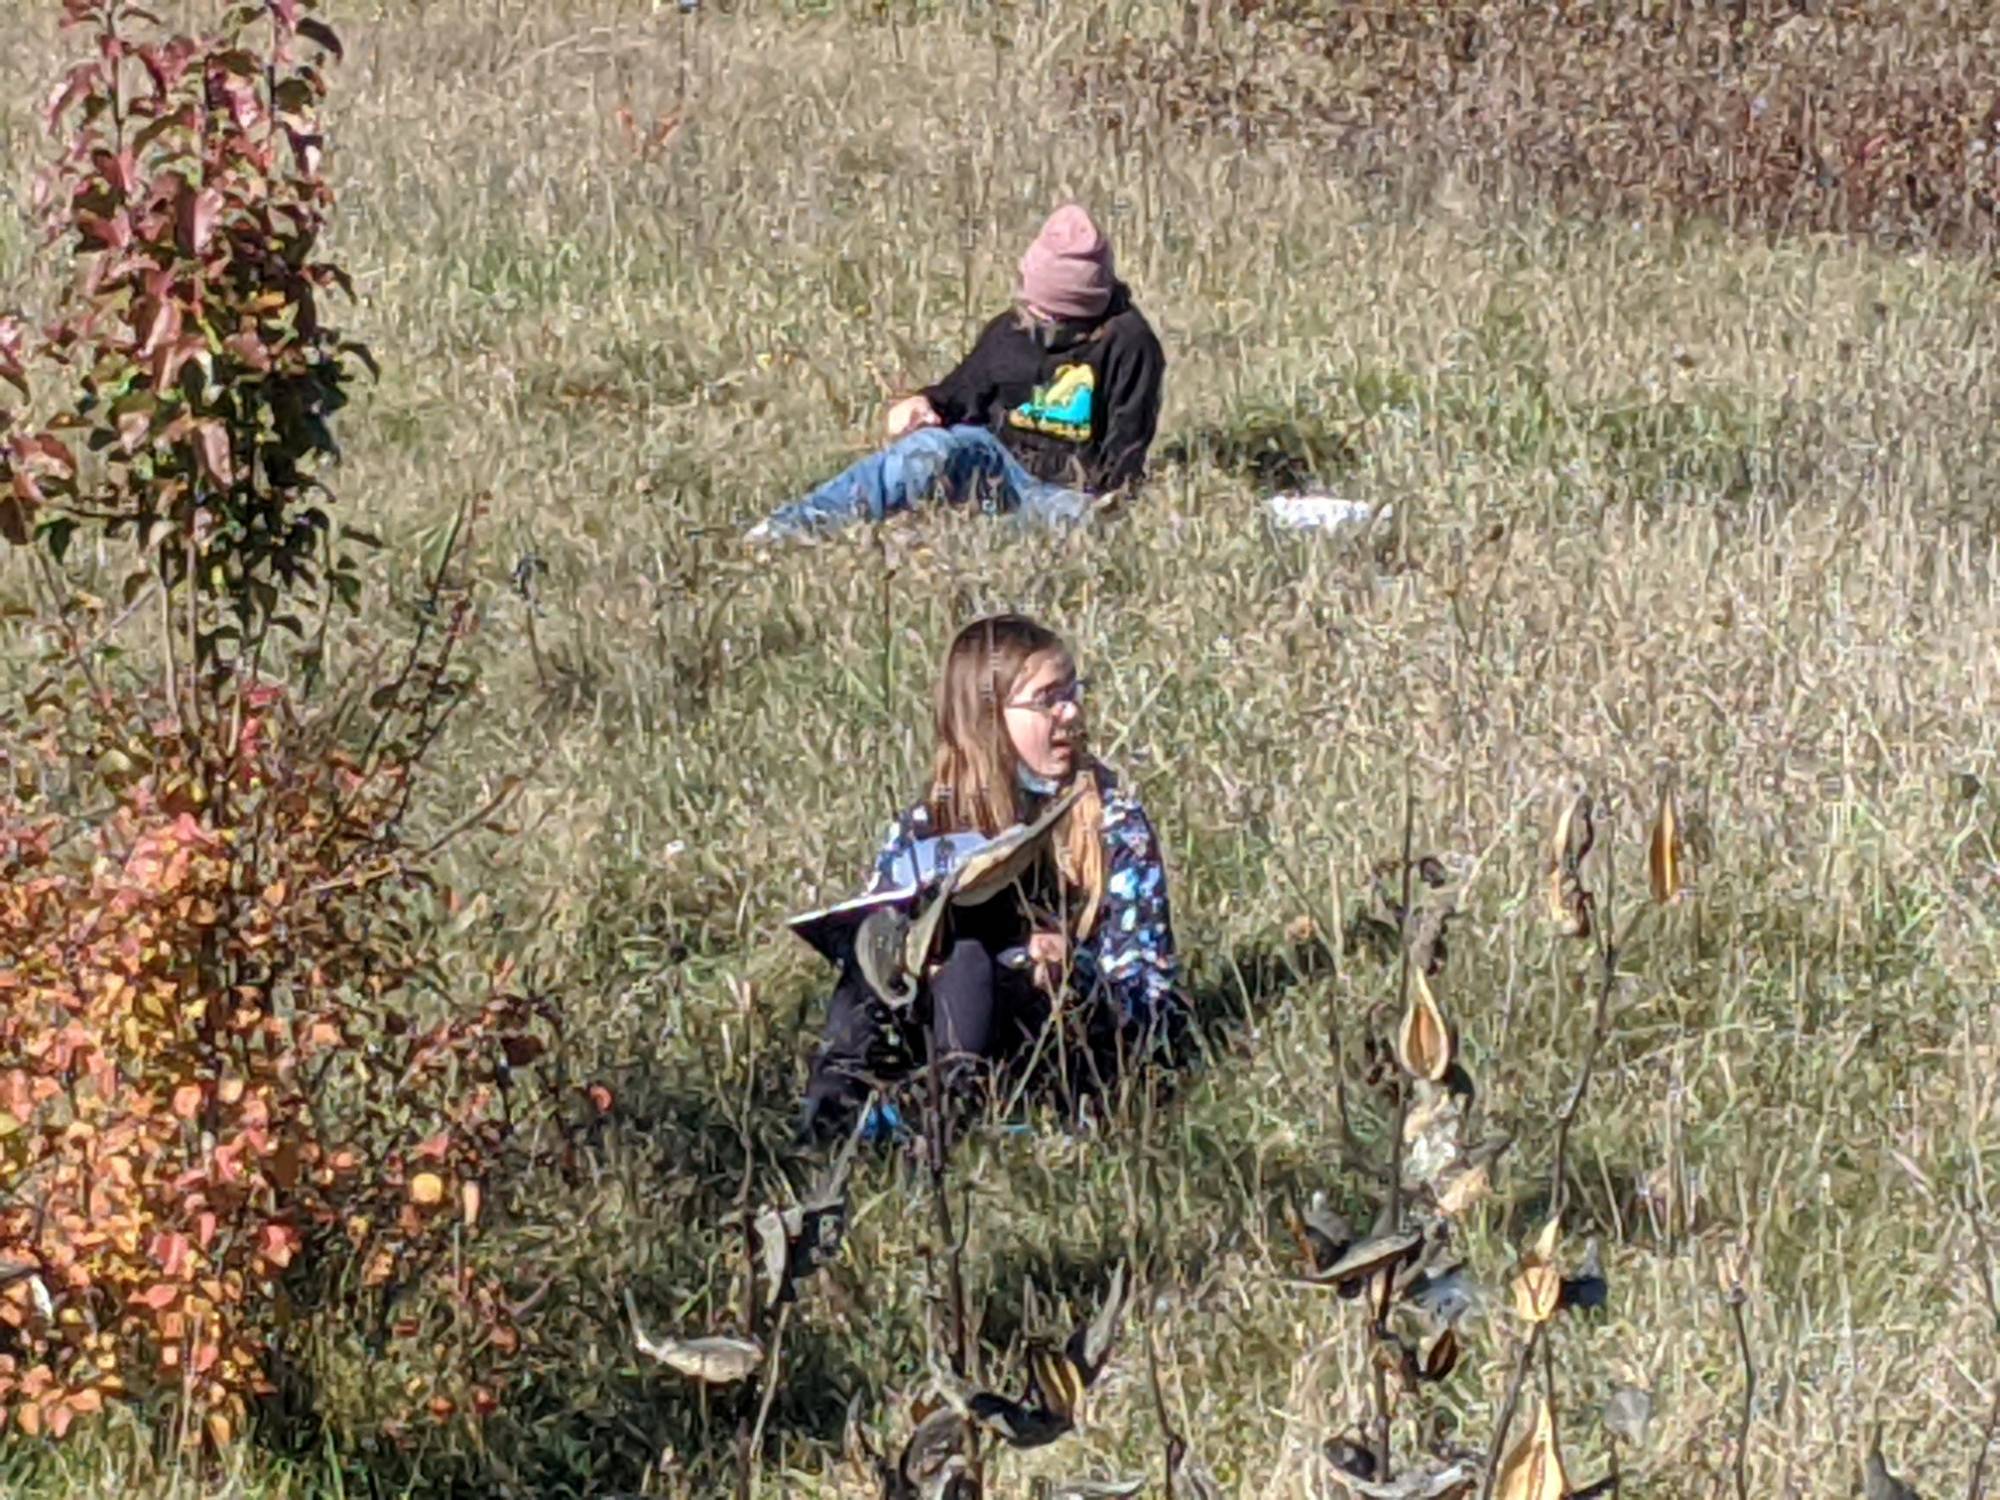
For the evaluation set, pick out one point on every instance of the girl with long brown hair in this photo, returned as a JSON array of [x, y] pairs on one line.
[[1091, 928]]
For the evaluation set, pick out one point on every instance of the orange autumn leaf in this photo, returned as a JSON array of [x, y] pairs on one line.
[[278, 1243]]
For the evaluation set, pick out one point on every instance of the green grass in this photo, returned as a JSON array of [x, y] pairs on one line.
[[1667, 502]]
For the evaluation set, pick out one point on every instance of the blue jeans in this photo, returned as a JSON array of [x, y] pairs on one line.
[[953, 464]]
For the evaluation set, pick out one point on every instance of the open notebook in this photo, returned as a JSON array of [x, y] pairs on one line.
[[977, 867], [922, 868]]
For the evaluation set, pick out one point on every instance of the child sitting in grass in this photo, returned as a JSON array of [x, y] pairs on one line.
[[1089, 927], [1054, 408]]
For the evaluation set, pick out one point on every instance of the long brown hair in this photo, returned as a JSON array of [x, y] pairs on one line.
[[974, 770]]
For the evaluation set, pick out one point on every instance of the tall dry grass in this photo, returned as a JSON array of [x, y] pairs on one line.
[[1667, 504]]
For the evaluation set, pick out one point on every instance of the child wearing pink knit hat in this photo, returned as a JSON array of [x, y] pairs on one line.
[[1066, 272], [1051, 413]]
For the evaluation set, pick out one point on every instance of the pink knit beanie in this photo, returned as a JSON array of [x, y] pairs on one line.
[[1067, 270]]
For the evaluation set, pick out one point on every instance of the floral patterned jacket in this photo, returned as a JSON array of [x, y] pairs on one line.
[[1129, 956]]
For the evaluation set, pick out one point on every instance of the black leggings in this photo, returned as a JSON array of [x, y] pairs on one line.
[[987, 1014]]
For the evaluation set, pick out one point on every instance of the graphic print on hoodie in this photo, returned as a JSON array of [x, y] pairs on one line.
[[1076, 405], [1062, 408]]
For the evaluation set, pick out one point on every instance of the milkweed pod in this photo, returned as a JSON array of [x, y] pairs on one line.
[[1538, 1282], [1533, 1469], [1666, 861], [1423, 1041]]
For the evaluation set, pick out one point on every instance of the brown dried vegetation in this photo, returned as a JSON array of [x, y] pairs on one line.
[[1855, 117]]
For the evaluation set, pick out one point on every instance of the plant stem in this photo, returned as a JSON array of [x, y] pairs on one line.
[[1607, 957], [746, 1459], [1175, 1444], [1379, 1326], [1402, 1004], [1498, 1444], [1749, 1396], [770, 1395], [940, 1205], [1976, 1487]]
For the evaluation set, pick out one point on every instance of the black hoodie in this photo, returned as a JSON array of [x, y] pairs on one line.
[[1077, 404]]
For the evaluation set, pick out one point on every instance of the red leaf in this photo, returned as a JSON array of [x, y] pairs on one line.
[[164, 328], [132, 429], [55, 450], [249, 350], [14, 512], [167, 362], [114, 233], [80, 80], [212, 440], [199, 212], [159, 1296], [170, 1253]]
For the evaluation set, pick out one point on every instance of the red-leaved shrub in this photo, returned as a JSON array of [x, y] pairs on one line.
[[233, 1086]]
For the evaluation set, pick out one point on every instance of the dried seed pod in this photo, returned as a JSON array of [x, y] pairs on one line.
[[1532, 1469], [1463, 1188], [719, 1360], [1351, 1455], [1090, 1345], [1097, 1489], [934, 1452], [1377, 1253], [1538, 1282], [1019, 1424], [1452, 1480], [1323, 1236], [1440, 1356], [1423, 1041], [1666, 859], [1397, 1360], [1015, 1423], [1566, 902], [1054, 1381]]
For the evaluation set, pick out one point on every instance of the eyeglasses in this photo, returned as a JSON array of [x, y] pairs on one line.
[[1049, 699]]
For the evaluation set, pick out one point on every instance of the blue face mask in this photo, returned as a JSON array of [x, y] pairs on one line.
[[1028, 781]]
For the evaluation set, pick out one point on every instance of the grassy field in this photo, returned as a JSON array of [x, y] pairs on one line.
[[1670, 505]]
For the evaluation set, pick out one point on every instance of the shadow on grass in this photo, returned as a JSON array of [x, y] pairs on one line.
[[635, 1201], [639, 1201], [1273, 451]]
